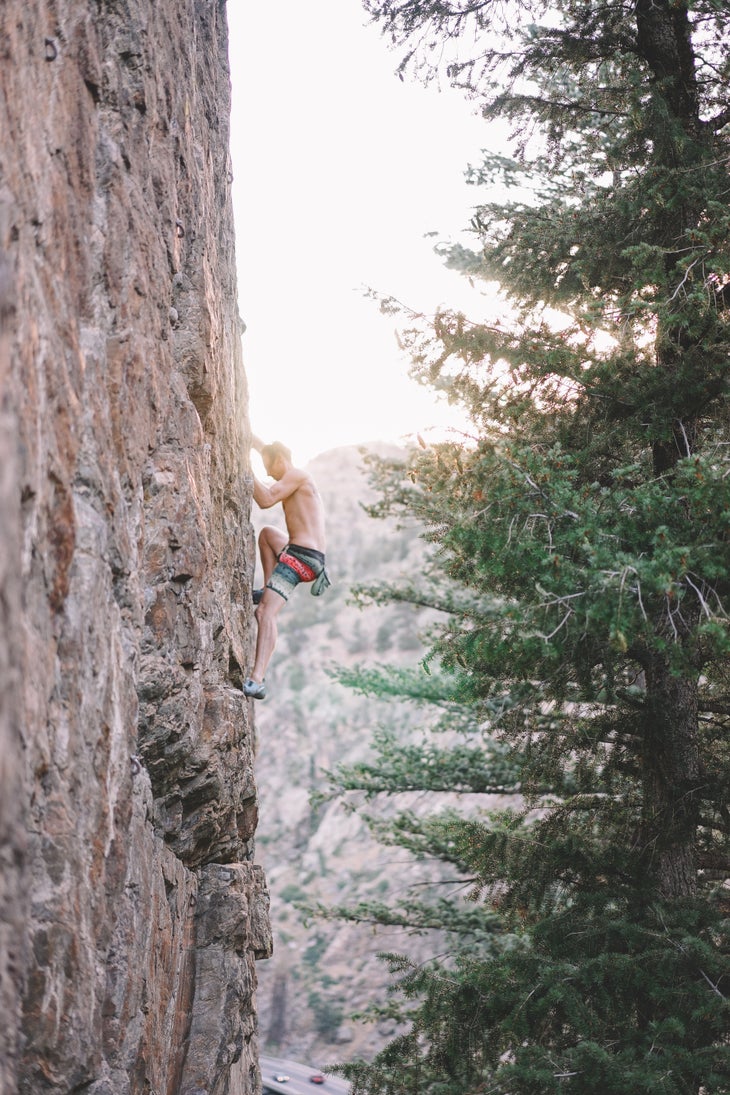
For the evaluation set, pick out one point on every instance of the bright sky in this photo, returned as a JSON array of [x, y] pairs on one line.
[[340, 169]]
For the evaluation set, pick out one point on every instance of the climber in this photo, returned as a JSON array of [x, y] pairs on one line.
[[287, 559]]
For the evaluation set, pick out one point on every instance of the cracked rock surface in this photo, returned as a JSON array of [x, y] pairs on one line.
[[131, 912]]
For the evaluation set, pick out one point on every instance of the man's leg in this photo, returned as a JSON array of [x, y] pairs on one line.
[[272, 542], [266, 614]]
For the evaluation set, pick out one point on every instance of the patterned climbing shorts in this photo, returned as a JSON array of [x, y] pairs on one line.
[[296, 564]]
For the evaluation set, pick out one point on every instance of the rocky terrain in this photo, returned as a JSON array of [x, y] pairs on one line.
[[131, 911]]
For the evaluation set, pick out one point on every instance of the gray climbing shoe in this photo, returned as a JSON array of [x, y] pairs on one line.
[[256, 690], [256, 595]]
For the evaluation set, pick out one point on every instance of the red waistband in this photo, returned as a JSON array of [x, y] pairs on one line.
[[305, 573]]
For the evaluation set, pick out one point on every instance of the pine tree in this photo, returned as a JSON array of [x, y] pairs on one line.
[[581, 557]]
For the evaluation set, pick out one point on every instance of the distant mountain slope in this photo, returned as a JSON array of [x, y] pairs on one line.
[[322, 972]]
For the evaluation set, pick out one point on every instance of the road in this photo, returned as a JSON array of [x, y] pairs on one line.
[[299, 1082]]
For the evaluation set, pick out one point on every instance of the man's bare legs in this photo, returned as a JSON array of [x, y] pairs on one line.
[[272, 542], [267, 610]]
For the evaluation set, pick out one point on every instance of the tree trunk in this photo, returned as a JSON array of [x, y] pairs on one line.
[[671, 757], [671, 779], [664, 38]]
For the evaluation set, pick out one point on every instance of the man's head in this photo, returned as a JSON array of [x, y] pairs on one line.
[[276, 458]]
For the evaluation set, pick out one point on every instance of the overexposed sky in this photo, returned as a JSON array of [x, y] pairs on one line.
[[340, 169]]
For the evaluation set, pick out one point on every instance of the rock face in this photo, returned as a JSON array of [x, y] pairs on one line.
[[131, 912]]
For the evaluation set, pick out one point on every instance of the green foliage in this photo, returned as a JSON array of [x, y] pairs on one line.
[[636, 562], [328, 1014], [486, 768], [292, 892], [471, 922], [613, 999], [579, 558]]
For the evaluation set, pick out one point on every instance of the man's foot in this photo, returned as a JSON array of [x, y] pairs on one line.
[[256, 690], [256, 595]]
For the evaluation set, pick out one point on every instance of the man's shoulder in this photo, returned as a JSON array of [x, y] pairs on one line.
[[301, 477], [296, 475], [294, 480]]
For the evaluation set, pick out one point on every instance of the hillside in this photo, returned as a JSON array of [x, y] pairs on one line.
[[322, 972]]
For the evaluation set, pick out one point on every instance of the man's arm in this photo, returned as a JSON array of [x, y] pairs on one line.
[[256, 443], [265, 496]]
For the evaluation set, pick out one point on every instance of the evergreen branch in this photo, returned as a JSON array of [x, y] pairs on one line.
[[712, 985], [703, 603], [714, 708], [683, 950], [538, 490], [715, 862], [395, 787], [686, 278], [517, 104], [417, 916], [719, 121], [562, 623], [720, 610], [630, 698]]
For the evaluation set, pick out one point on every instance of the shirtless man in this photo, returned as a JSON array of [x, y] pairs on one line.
[[288, 559]]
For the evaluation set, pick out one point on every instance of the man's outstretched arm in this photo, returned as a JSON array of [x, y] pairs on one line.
[[256, 443]]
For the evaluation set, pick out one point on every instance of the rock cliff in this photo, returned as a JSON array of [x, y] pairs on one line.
[[131, 911]]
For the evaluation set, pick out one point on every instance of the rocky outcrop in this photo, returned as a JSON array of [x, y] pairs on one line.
[[132, 912]]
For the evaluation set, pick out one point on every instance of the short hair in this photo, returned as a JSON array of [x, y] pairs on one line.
[[276, 448]]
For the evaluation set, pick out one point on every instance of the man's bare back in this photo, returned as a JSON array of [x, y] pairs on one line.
[[303, 511]]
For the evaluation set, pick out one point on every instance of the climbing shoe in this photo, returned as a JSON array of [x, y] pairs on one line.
[[256, 595], [256, 690]]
